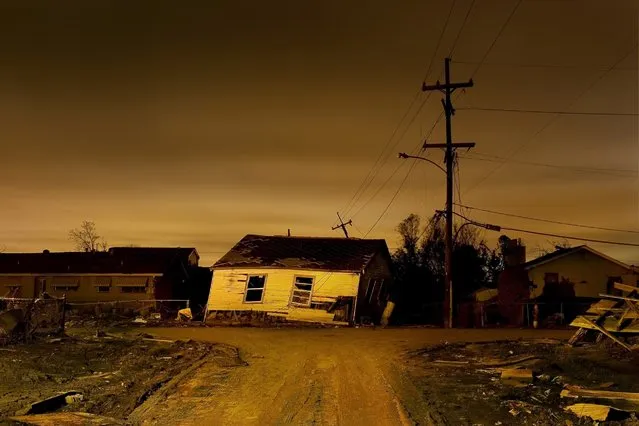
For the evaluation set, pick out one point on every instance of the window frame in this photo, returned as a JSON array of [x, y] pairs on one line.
[[372, 283], [99, 288], [124, 289], [246, 288], [310, 292]]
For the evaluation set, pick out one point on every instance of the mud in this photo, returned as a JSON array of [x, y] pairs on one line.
[[466, 394], [114, 375]]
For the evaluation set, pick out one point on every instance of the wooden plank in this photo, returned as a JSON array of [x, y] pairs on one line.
[[575, 392], [519, 374], [594, 411], [610, 296], [625, 287], [604, 331], [507, 362], [601, 305], [622, 318], [609, 324]]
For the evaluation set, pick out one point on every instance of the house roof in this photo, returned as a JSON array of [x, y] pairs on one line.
[[562, 252], [122, 260], [324, 253]]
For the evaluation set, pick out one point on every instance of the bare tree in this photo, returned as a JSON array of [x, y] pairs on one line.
[[86, 238]]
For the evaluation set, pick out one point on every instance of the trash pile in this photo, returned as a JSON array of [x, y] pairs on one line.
[[22, 319], [541, 381], [614, 316]]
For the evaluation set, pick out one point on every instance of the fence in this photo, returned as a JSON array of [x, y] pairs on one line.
[[21, 318], [478, 315], [159, 308]]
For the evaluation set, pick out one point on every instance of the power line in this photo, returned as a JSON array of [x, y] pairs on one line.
[[366, 183], [399, 166], [550, 66], [547, 234], [549, 122], [548, 220], [501, 30], [461, 29], [609, 172], [537, 111], [568, 237]]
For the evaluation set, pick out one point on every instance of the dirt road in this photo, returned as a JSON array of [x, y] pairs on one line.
[[307, 376]]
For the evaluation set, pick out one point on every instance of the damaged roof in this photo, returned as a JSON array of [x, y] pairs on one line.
[[122, 260], [323, 253]]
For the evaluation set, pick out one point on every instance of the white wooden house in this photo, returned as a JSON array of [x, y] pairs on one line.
[[303, 278]]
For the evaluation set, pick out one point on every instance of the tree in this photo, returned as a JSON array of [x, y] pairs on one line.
[[419, 267], [86, 238]]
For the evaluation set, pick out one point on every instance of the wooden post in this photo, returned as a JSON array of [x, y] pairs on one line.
[[64, 307]]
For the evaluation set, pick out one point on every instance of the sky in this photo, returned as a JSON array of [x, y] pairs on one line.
[[196, 124]]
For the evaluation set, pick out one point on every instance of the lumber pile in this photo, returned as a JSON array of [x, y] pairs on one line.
[[614, 317]]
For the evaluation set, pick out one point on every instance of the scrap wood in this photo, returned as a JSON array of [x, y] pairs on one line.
[[595, 411], [604, 331], [608, 323], [451, 363], [520, 374], [576, 392], [508, 362], [610, 296], [68, 419], [625, 287]]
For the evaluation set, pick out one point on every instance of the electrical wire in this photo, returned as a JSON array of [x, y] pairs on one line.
[[534, 111], [548, 234], [461, 29], [600, 228], [610, 172], [549, 122], [550, 66], [366, 182], [494, 42]]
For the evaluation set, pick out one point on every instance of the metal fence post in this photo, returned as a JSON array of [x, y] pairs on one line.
[[64, 307]]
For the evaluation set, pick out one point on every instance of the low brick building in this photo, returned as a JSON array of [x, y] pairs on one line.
[[121, 273]]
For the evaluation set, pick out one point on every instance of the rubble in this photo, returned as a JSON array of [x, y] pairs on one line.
[[597, 412], [49, 404], [615, 317], [68, 419]]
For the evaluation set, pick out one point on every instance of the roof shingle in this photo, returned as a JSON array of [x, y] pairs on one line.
[[323, 253]]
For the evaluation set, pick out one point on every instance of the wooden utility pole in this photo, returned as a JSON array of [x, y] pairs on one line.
[[447, 89], [342, 225]]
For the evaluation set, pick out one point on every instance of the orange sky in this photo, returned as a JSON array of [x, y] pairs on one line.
[[195, 126]]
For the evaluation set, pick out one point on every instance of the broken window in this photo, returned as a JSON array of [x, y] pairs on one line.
[[254, 289], [381, 294], [370, 289], [302, 289], [133, 289]]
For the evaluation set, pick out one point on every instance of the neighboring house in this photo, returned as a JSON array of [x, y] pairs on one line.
[[121, 273], [303, 278], [591, 271]]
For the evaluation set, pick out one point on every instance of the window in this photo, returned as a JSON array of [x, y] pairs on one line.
[[133, 289], [302, 289], [381, 294], [254, 289], [103, 289], [65, 287], [551, 277]]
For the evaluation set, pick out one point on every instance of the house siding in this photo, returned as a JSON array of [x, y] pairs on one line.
[[587, 271], [228, 289], [378, 269], [87, 290]]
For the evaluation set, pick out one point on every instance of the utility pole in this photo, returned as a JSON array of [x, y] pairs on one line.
[[342, 225], [447, 89]]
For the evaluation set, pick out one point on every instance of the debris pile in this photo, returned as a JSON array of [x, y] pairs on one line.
[[614, 316]]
